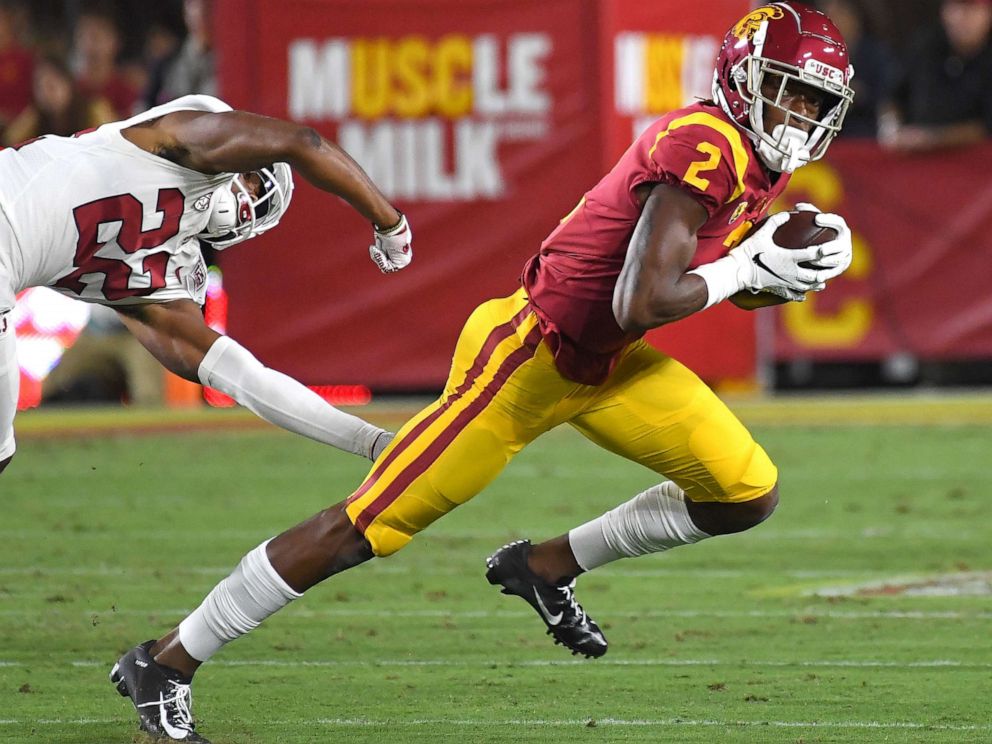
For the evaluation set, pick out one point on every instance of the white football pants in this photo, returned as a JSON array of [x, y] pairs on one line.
[[9, 385]]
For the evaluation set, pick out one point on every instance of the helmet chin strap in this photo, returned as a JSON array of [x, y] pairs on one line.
[[785, 149], [789, 151]]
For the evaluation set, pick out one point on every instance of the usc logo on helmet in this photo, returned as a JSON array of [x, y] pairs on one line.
[[748, 26]]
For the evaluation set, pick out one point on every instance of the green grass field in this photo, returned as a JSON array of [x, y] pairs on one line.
[[859, 613]]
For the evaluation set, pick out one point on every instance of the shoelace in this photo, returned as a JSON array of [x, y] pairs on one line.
[[182, 701], [567, 590], [179, 706], [577, 610]]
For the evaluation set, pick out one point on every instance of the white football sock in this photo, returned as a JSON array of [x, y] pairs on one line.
[[651, 522], [236, 606], [281, 400]]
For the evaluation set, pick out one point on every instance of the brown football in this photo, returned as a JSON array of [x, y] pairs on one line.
[[800, 231]]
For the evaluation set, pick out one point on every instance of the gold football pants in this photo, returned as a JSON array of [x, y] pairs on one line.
[[504, 391]]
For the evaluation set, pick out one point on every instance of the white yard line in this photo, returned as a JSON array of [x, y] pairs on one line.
[[553, 722], [404, 569], [541, 663], [804, 612]]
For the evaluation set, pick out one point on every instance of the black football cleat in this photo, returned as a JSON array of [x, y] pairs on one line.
[[567, 622], [161, 696]]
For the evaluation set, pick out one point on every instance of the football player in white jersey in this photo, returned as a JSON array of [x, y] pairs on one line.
[[114, 216]]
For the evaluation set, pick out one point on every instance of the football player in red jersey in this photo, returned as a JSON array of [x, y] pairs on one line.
[[653, 242], [124, 231]]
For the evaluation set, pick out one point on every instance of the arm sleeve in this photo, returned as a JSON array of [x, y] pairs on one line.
[[281, 400], [195, 102]]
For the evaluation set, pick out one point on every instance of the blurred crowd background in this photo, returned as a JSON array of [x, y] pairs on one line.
[[67, 65], [923, 84], [924, 67]]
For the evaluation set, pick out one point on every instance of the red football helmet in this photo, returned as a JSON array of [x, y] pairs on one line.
[[789, 42]]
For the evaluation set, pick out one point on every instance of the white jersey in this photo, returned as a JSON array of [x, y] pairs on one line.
[[98, 218]]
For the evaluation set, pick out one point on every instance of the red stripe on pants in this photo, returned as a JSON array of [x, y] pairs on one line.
[[498, 334], [436, 447]]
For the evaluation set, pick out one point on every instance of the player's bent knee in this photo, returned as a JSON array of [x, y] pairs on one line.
[[743, 473], [340, 540], [726, 518], [747, 514], [756, 511]]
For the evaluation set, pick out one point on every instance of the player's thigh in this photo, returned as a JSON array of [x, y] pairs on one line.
[[10, 377], [657, 412], [502, 392]]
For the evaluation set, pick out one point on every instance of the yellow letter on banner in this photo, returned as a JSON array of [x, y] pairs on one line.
[[412, 98], [852, 322], [663, 68], [843, 329], [453, 76], [370, 77]]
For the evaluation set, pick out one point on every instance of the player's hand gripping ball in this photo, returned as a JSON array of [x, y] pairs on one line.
[[806, 227]]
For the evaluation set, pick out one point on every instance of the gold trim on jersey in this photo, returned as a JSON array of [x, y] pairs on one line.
[[729, 132]]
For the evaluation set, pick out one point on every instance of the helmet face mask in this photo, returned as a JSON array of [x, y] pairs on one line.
[[774, 50], [237, 214]]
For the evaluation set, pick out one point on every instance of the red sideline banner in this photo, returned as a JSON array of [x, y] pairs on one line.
[[922, 248], [478, 119], [485, 122]]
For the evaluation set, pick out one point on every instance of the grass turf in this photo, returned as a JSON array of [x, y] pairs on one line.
[[107, 538]]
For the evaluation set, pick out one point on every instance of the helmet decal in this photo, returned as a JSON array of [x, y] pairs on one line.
[[748, 25]]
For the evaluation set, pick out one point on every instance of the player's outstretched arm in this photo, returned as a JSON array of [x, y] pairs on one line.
[[653, 287], [176, 334], [239, 141]]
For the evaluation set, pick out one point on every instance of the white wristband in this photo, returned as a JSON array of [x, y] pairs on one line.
[[722, 277]]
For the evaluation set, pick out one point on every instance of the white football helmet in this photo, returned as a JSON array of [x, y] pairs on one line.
[[236, 216]]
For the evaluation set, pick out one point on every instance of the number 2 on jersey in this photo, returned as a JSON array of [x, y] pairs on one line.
[[128, 211], [696, 167]]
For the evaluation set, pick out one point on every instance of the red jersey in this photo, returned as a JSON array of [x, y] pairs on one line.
[[571, 280]]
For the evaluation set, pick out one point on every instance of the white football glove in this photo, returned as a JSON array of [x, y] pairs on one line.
[[787, 294], [836, 255], [392, 250], [763, 264]]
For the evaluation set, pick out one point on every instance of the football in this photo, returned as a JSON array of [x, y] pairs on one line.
[[800, 231]]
